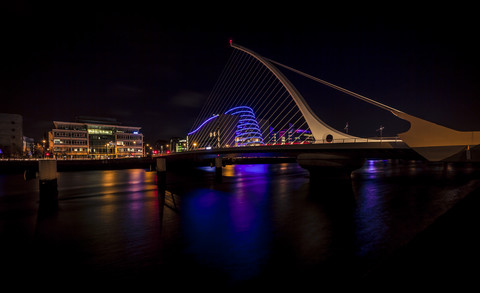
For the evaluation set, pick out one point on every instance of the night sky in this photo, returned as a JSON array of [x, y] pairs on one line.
[[154, 67]]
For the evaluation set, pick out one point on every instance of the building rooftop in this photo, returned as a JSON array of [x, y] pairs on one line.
[[97, 120]]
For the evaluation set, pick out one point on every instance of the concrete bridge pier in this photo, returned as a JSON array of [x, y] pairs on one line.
[[218, 168], [161, 174], [47, 179], [324, 166]]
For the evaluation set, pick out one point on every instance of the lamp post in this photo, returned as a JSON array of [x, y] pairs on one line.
[[381, 131], [44, 141]]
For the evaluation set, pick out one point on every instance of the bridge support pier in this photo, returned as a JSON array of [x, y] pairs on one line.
[[47, 179], [324, 166], [218, 168], [161, 174]]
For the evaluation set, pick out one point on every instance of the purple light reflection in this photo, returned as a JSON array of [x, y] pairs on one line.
[[229, 230]]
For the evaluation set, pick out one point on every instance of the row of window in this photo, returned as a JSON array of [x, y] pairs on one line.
[[72, 127], [69, 134], [68, 150], [68, 141], [58, 141], [129, 137], [94, 131], [94, 128], [129, 150], [129, 143]]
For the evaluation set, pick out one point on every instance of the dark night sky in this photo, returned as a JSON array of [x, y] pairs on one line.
[[154, 66]]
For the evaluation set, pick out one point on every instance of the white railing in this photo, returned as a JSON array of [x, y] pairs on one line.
[[360, 140], [344, 140]]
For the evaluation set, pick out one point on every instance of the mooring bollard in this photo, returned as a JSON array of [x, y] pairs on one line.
[[47, 178], [161, 173]]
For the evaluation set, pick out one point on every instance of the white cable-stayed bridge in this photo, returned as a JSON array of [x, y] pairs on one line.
[[254, 109]]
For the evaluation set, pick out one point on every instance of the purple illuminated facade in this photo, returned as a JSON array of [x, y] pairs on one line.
[[247, 132], [236, 127]]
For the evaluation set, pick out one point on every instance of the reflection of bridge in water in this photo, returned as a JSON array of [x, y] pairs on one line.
[[276, 123]]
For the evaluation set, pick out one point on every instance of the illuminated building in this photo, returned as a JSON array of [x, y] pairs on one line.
[[11, 135], [178, 144], [28, 146], [236, 127], [291, 135], [248, 132], [217, 131], [97, 138]]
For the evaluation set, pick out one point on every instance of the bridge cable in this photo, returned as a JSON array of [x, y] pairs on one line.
[[358, 96], [245, 81]]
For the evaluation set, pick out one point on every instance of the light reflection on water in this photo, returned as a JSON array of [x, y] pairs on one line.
[[231, 230], [260, 222], [397, 201]]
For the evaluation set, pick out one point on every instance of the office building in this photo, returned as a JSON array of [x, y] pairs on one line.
[[97, 138]]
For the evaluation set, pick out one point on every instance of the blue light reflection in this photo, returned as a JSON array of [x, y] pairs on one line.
[[229, 230]]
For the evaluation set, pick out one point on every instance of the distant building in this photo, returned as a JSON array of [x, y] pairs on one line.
[[178, 144], [97, 138], [28, 146], [291, 135], [11, 135]]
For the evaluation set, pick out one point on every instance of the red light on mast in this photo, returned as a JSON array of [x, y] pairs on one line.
[[231, 41]]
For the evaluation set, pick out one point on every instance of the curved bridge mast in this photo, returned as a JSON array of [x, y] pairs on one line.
[[320, 130], [432, 141]]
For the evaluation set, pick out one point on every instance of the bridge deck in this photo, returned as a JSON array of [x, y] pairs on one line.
[[368, 150]]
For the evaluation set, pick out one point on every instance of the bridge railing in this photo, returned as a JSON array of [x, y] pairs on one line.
[[322, 141], [344, 140], [360, 140]]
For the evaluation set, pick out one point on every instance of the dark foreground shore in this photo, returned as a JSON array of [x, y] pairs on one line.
[[445, 255]]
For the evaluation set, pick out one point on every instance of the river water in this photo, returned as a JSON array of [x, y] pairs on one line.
[[260, 226]]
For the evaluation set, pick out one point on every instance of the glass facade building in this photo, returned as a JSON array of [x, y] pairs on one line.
[[96, 139]]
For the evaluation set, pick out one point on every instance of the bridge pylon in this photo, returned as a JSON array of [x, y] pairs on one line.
[[267, 122], [320, 130]]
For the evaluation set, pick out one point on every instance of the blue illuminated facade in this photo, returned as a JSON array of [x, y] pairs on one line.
[[236, 127], [248, 132]]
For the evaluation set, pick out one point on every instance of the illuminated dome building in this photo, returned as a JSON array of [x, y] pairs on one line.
[[248, 131], [236, 127]]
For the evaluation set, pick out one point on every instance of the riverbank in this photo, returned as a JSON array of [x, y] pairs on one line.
[[20, 166]]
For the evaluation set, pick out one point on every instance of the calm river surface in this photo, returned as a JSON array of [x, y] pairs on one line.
[[262, 226]]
